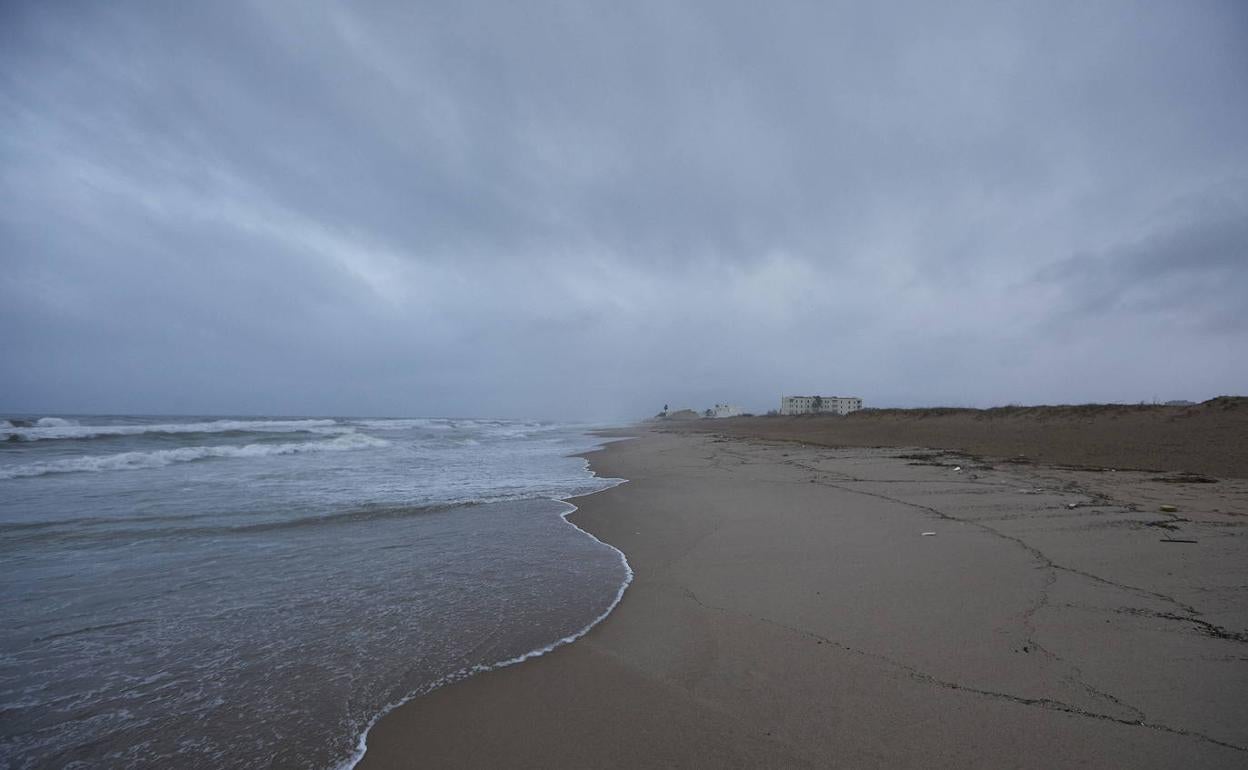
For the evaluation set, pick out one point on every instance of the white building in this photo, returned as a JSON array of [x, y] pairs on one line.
[[819, 404], [726, 410]]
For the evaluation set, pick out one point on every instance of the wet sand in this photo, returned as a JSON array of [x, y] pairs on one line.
[[788, 611]]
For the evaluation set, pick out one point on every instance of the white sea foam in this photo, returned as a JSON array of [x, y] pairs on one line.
[[58, 428], [125, 461]]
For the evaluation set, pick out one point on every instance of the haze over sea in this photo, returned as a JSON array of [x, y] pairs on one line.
[[213, 592]]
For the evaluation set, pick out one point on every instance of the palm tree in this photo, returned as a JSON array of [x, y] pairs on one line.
[[817, 404]]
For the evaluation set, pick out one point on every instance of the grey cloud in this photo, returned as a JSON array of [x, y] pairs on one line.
[[1195, 271], [589, 209]]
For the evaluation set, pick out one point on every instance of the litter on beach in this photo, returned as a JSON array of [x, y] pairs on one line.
[[929, 534], [1169, 509], [957, 469]]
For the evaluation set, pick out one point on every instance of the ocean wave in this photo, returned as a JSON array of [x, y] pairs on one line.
[[407, 423], [135, 528], [126, 461], [450, 423], [55, 422], [139, 528], [509, 429], [57, 428], [492, 429]]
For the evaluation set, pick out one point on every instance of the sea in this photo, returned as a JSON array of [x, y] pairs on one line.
[[256, 591]]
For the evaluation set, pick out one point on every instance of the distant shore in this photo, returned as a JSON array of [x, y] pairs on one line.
[[806, 606]]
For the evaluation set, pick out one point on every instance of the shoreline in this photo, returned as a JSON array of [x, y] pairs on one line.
[[785, 612], [614, 436]]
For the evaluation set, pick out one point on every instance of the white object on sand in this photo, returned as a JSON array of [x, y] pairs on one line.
[[929, 534], [957, 469]]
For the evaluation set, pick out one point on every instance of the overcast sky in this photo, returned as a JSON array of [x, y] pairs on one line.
[[592, 209]]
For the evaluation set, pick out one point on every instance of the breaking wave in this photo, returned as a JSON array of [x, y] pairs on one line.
[[406, 423], [59, 428], [126, 461], [54, 422]]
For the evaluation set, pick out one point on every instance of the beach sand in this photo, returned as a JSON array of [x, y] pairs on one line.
[[1208, 438], [789, 611]]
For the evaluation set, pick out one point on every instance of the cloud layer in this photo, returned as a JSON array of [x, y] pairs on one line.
[[589, 210]]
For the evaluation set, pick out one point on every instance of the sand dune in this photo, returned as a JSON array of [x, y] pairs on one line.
[[1209, 438]]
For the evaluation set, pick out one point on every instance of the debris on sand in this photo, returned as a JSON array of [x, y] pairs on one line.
[[1185, 478]]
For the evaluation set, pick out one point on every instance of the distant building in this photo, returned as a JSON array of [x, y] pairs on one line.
[[725, 410], [819, 404]]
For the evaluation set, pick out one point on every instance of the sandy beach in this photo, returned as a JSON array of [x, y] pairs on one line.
[[791, 609]]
